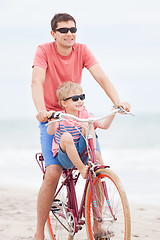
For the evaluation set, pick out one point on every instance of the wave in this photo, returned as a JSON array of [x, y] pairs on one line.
[[138, 170]]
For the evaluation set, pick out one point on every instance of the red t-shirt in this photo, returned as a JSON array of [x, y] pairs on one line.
[[60, 69]]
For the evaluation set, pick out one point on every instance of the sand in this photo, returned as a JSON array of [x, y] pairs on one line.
[[18, 216]]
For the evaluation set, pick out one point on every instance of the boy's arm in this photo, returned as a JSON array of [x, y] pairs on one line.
[[105, 124], [51, 129]]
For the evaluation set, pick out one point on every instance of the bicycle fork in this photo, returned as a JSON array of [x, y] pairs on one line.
[[94, 197], [94, 201], [92, 171], [107, 199]]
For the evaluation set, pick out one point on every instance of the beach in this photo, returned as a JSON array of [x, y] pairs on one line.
[[18, 217], [20, 183], [133, 156]]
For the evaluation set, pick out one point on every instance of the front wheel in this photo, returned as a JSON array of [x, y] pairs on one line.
[[112, 204]]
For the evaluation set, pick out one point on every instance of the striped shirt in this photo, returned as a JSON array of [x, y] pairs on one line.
[[71, 126]]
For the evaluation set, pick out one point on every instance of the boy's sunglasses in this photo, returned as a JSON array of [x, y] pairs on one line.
[[65, 30], [75, 98]]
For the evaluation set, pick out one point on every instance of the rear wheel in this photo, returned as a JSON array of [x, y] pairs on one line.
[[57, 224], [116, 218]]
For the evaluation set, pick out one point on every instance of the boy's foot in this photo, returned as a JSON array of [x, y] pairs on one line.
[[84, 171], [102, 234]]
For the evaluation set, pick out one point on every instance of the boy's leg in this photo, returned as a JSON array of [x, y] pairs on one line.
[[67, 145], [99, 158]]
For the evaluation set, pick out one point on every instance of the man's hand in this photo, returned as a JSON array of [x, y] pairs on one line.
[[44, 115], [125, 105]]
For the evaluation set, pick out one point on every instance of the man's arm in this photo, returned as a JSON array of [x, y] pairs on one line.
[[38, 77], [108, 87]]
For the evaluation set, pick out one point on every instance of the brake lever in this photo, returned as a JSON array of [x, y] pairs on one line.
[[121, 110]]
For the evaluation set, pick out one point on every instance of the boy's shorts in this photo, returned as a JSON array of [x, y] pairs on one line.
[[61, 158]]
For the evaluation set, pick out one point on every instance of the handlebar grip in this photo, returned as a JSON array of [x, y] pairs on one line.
[[55, 115], [118, 107]]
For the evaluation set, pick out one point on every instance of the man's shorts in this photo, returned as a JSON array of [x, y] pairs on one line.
[[61, 158]]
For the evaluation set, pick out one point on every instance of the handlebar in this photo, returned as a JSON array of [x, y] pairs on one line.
[[59, 116]]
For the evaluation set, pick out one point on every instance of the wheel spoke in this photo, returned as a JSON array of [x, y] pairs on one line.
[[115, 217]]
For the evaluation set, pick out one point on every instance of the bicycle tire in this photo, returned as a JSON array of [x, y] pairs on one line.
[[119, 229]]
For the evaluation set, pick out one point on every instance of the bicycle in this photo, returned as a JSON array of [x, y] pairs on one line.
[[104, 199]]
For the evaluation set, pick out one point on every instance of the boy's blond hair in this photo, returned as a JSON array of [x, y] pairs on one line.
[[64, 90]]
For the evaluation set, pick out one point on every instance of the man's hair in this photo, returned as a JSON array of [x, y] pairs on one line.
[[61, 17], [64, 90]]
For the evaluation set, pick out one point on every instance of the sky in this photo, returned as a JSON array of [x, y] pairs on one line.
[[123, 35]]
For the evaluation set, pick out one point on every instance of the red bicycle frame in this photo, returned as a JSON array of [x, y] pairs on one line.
[[70, 181]]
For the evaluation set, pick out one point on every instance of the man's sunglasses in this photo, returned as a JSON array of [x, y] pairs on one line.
[[75, 98], [65, 30]]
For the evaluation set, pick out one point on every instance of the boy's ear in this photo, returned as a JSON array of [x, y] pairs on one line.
[[63, 103]]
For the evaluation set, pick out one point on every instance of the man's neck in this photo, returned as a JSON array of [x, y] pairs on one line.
[[64, 51]]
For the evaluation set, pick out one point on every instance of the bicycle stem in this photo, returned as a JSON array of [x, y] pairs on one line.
[[91, 143]]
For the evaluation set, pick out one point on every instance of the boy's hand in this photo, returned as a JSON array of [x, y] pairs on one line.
[[49, 115], [44, 115]]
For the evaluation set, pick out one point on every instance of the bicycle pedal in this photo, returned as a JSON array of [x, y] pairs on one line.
[[55, 209], [79, 227], [106, 236], [58, 202], [103, 238]]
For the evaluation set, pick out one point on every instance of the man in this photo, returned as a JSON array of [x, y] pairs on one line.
[[57, 62]]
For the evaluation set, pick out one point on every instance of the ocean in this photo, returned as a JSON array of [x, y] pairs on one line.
[[131, 147]]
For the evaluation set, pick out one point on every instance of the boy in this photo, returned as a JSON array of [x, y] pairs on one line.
[[68, 141]]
